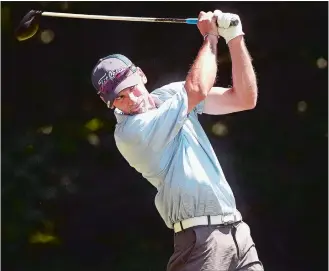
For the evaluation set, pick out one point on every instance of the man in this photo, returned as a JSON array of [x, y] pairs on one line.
[[160, 136]]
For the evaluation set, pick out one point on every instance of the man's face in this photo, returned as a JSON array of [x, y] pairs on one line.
[[134, 100]]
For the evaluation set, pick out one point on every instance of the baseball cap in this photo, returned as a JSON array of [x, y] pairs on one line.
[[113, 74]]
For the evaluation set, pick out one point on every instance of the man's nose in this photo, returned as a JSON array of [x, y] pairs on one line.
[[132, 97]]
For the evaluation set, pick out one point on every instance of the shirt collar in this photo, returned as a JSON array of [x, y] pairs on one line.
[[120, 116]]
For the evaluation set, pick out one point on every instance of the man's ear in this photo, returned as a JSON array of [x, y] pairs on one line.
[[142, 75]]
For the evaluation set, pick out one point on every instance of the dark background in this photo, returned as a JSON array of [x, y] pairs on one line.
[[71, 202]]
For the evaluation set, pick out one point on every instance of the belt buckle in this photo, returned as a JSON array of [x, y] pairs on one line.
[[229, 219]]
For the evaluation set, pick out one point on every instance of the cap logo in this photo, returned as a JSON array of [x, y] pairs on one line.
[[114, 73], [110, 75], [115, 76]]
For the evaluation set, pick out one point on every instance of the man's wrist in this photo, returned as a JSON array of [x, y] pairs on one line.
[[238, 40], [211, 37]]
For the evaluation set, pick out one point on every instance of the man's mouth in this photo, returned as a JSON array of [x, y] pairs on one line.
[[137, 107]]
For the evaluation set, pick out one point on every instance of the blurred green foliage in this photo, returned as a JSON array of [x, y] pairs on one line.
[[5, 18]]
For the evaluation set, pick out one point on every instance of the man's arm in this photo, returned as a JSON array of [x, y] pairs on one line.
[[244, 77], [243, 95], [202, 74]]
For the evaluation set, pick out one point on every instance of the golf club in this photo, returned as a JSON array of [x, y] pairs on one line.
[[29, 25]]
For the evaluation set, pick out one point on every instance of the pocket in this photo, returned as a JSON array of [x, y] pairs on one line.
[[185, 243]]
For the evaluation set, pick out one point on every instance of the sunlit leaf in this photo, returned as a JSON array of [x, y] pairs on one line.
[[219, 129], [94, 124], [93, 139], [321, 63], [47, 36], [43, 238], [45, 129], [302, 106]]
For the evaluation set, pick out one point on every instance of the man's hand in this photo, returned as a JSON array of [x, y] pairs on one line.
[[224, 29], [207, 24]]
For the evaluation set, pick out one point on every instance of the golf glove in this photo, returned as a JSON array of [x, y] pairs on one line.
[[224, 29]]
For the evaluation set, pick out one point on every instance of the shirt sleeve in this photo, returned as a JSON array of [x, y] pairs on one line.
[[172, 89]]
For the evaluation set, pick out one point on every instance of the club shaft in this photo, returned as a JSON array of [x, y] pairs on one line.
[[119, 18]]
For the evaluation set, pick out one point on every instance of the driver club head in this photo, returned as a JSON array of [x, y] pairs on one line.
[[28, 26]]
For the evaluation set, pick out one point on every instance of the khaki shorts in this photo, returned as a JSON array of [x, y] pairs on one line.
[[215, 248]]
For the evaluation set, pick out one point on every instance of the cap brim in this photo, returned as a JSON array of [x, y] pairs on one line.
[[130, 81]]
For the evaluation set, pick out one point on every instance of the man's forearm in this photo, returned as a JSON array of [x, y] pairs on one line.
[[202, 74], [244, 77]]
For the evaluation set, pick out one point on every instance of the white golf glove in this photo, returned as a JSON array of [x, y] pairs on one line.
[[224, 29]]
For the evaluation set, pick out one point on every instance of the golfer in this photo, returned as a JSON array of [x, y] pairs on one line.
[[159, 135]]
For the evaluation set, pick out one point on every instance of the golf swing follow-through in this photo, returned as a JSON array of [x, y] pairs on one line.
[[159, 135]]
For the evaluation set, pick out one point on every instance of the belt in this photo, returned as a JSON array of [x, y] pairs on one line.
[[207, 220]]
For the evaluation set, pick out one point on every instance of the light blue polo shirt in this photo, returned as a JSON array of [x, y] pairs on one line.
[[171, 150]]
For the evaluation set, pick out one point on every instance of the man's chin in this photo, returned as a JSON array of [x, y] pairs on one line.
[[143, 109], [140, 110]]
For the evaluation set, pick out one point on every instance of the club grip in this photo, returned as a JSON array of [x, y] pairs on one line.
[[195, 21], [191, 20]]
